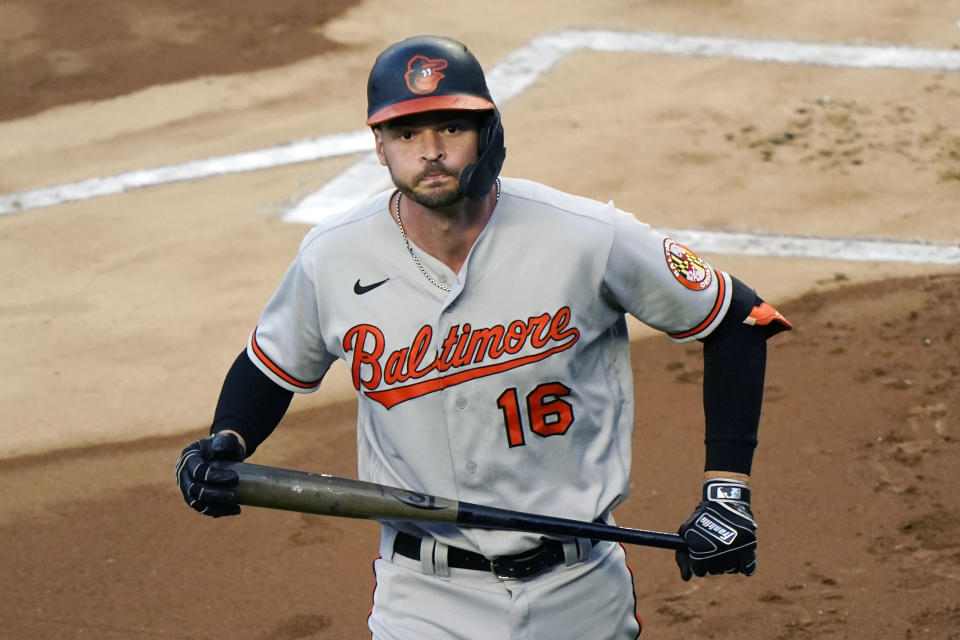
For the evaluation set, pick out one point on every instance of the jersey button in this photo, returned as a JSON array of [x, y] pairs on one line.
[[461, 403], [472, 466]]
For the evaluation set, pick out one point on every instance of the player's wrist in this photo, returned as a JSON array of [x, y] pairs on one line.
[[238, 436], [715, 474]]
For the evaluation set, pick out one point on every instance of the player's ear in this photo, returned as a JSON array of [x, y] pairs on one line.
[[378, 138]]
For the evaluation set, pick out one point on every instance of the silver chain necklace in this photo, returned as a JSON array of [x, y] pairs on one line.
[[413, 255]]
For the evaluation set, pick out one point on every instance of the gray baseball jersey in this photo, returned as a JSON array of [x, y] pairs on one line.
[[513, 389]]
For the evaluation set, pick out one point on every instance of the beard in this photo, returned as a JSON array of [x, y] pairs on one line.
[[431, 197]]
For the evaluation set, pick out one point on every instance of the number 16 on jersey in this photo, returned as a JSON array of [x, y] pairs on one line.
[[547, 413]]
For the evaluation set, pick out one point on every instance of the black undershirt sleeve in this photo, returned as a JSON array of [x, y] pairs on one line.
[[734, 365], [250, 403]]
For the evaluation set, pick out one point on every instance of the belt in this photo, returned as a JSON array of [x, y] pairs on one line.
[[521, 565]]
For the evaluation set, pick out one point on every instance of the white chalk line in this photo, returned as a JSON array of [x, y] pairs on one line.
[[294, 152], [844, 249], [511, 77]]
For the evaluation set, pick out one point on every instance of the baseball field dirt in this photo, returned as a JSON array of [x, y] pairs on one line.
[[121, 314]]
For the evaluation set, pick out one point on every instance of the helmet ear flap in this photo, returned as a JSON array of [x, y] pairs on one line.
[[477, 177]]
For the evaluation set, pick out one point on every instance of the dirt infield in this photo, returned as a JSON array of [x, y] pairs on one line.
[[121, 314]]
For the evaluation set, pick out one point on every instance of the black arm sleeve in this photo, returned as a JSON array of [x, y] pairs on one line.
[[734, 365], [250, 403]]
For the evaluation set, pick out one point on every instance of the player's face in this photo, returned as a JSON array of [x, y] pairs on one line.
[[426, 152]]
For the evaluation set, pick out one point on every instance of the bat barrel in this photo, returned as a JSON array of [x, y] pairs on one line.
[[305, 492]]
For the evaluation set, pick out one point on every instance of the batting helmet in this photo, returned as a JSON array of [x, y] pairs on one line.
[[433, 73]]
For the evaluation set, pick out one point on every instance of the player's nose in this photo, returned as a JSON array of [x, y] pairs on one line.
[[432, 147]]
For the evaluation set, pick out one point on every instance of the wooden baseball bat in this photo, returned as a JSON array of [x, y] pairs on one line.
[[306, 492]]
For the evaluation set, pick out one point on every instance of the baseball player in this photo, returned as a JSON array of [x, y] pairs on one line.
[[483, 323]]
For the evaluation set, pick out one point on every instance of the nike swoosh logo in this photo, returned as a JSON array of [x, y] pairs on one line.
[[361, 289]]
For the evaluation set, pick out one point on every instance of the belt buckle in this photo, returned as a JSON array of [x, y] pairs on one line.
[[521, 565]]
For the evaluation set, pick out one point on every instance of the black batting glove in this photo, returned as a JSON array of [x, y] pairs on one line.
[[204, 488], [721, 535]]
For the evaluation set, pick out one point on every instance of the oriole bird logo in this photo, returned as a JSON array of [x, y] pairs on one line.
[[423, 74]]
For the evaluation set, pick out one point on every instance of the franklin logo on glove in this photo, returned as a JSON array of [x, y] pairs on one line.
[[724, 534]]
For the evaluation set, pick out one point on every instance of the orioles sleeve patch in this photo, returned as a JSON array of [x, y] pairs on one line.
[[687, 267]]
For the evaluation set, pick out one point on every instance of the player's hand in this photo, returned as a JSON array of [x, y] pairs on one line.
[[721, 535], [204, 488]]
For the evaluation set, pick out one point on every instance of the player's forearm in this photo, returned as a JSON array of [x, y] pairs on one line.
[[250, 405], [734, 367], [734, 362]]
